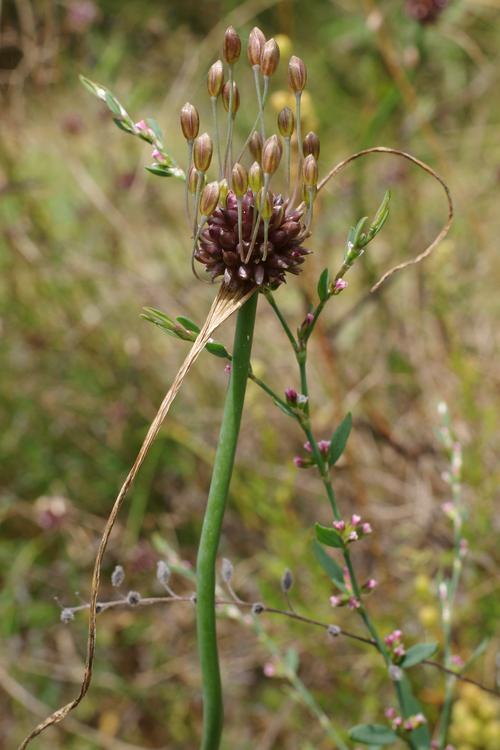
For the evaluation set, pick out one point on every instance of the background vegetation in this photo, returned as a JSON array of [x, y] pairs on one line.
[[87, 238]]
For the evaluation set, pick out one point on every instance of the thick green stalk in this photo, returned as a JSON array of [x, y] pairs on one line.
[[212, 524]]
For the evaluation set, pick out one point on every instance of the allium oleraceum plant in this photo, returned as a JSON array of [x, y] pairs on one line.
[[251, 219]]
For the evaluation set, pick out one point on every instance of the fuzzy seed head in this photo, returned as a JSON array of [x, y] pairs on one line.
[[117, 576], [271, 154], [202, 152], [209, 198], [67, 615], [286, 122], [256, 42], [190, 121], [311, 145], [255, 177], [162, 572], [236, 97], [310, 171], [270, 58], [239, 177], [232, 45], [215, 79], [255, 144], [297, 74]]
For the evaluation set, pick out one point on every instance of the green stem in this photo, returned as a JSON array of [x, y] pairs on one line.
[[212, 524]]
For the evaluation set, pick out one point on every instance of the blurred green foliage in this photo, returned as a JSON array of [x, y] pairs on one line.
[[88, 238]]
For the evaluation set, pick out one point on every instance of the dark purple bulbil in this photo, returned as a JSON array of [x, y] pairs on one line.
[[219, 250]]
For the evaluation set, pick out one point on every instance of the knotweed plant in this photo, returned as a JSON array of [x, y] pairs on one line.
[[250, 209]]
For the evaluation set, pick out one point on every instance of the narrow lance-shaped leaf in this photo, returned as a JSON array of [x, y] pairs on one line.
[[329, 536], [339, 439], [418, 653], [380, 217], [329, 565], [323, 285], [373, 734]]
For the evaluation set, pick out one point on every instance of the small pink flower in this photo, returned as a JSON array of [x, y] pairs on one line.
[[308, 447], [269, 669], [399, 651], [397, 721], [371, 584], [291, 395], [408, 725], [324, 447], [354, 603], [355, 519], [228, 368], [142, 126], [457, 661], [448, 508], [340, 284], [157, 155], [339, 525], [366, 528], [353, 537], [390, 713], [299, 462], [335, 601]]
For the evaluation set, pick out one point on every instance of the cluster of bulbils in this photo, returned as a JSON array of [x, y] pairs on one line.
[[242, 231]]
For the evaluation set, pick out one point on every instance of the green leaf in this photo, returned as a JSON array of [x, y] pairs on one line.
[[166, 171], [357, 231], [219, 350], [323, 285], [283, 408], [339, 439], [151, 122], [380, 217], [292, 660], [331, 567], [188, 323], [113, 104], [373, 734], [418, 653], [158, 317], [94, 88], [411, 706], [329, 536], [123, 125]]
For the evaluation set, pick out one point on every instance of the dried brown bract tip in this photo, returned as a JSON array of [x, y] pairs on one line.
[[202, 152], [310, 171], [239, 176], [209, 198], [270, 58], [311, 145], [255, 145], [286, 122], [256, 42], [232, 46], [190, 121], [236, 97], [215, 79], [271, 154], [297, 74]]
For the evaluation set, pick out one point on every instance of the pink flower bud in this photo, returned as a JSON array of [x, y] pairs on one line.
[[269, 669], [366, 528], [308, 447], [339, 525], [324, 447], [354, 603], [390, 713], [335, 601], [299, 462], [371, 584], [353, 537], [340, 284], [291, 395], [157, 155], [355, 519]]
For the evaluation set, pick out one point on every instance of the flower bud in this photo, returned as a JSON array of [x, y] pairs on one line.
[[310, 145], [209, 198], [202, 152], [223, 190], [256, 42], [239, 177], [270, 58], [265, 204], [232, 45], [192, 178], [286, 122], [297, 74], [255, 144], [215, 79], [190, 121], [236, 97], [310, 171], [255, 178], [271, 155]]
